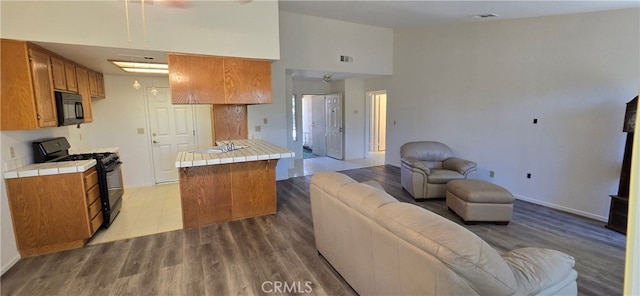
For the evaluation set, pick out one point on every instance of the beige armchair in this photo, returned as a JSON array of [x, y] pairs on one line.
[[427, 166]]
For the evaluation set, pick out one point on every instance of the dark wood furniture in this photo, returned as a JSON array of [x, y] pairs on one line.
[[619, 208]]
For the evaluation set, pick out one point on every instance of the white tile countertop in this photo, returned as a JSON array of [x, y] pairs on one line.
[[255, 150], [50, 168]]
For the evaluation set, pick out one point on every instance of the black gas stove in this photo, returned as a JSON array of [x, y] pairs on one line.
[[108, 166]]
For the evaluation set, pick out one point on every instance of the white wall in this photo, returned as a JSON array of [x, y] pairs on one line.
[[226, 28], [312, 43], [477, 87]]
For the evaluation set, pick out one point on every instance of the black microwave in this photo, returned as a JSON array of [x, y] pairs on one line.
[[69, 106]]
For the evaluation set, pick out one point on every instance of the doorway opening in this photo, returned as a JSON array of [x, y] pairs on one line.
[[313, 126], [376, 123]]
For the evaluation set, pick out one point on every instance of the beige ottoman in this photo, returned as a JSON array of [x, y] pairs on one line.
[[477, 200]]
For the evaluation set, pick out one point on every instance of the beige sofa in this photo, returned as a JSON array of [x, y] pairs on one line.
[[427, 166], [384, 247]]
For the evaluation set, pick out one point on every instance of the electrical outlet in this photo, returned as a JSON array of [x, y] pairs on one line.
[[265, 120], [528, 175], [12, 152], [258, 128], [492, 174]]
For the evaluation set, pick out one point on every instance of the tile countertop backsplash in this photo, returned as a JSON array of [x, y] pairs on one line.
[[64, 167]]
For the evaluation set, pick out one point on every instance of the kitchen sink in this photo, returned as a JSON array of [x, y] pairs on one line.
[[216, 149]]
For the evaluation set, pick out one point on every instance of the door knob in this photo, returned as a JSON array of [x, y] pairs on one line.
[[155, 142], [154, 134]]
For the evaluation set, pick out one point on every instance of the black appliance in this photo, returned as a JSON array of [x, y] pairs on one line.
[[69, 106], [108, 166]]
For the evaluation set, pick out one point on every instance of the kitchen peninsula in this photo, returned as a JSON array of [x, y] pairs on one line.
[[217, 186]]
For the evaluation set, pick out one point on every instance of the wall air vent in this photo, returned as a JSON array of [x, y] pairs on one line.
[[346, 59]]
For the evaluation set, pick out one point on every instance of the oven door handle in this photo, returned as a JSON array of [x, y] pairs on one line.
[[113, 167]]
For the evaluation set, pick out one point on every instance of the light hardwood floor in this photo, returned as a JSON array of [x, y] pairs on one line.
[[238, 257]]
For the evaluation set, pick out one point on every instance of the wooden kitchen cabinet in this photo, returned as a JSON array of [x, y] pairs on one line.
[[53, 213], [247, 81], [82, 76], [100, 85], [96, 85], [58, 74], [198, 79], [26, 79], [93, 83], [70, 75]]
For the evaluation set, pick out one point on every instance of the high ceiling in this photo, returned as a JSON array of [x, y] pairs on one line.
[[412, 14], [391, 14]]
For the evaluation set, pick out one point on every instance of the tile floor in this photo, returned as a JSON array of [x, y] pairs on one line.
[[310, 166], [145, 210], [156, 209]]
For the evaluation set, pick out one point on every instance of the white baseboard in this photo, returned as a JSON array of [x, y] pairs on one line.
[[563, 208], [10, 264]]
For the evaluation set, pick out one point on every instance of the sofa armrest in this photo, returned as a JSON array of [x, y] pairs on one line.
[[460, 165], [416, 164], [537, 269]]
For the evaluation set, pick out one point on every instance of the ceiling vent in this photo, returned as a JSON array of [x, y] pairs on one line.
[[487, 15]]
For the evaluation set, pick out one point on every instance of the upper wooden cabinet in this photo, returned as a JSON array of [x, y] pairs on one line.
[[96, 84], [64, 75], [197, 79], [58, 73], [29, 76], [247, 81], [70, 75], [82, 75], [27, 101], [100, 85]]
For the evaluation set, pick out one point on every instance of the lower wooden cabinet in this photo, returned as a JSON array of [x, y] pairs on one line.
[[226, 192], [55, 212]]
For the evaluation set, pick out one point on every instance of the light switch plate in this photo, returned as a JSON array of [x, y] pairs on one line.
[[265, 120], [140, 131]]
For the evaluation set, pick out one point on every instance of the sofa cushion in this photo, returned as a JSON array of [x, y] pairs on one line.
[[536, 269], [426, 150], [444, 176], [373, 184], [365, 199], [465, 253], [330, 181]]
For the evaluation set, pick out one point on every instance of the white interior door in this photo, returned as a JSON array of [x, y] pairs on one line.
[[334, 132], [318, 126], [172, 131], [381, 121]]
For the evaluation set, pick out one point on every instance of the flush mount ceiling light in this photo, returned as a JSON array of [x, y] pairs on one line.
[[326, 78], [139, 67]]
